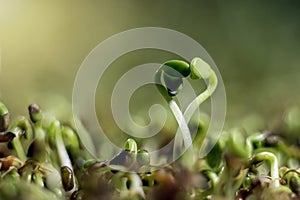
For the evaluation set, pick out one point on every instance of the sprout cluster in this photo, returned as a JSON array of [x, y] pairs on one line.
[[43, 158]]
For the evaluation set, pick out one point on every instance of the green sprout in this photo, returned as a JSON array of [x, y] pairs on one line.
[[201, 70], [35, 113], [17, 145], [273, 161], [130, 146], [130, 158], [172, 73], [292, 178], [5, 136], [71, 141], [65, 162], [4, 117], [127, 157]]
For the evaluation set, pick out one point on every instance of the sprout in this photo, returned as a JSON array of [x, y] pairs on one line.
[[172, 72], [19, 189], [39, 148], [293, 179], [53, 180], [237, 143], [255, 139], [71, 141], [17, 145], [130, 146], [126, 157], [4, 117], [213, 179], [35, 113], [201, 70], [65, 161], [272, 159]]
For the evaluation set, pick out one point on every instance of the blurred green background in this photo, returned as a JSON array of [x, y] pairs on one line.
[[255, 44]]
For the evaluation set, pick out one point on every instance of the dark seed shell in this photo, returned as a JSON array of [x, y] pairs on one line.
[[67, 178]]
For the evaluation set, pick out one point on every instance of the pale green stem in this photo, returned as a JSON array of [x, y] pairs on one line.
[[273, 165], [18, 145], [61, 150], [251, 139], [183, 127], [194, 105], [19, 149], [181, 123], [183, 131], [213, 177]]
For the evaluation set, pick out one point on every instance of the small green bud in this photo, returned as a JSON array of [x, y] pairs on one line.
[[249, 181], [52, 131], [214, 157], [130, 145], [70, 140], [24, 124], [35, 113], [4, 117], [237, 144], [143, 157]]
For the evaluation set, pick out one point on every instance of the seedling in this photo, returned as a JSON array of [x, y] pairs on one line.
[[273, 162], [4, 117], [172, 73]]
